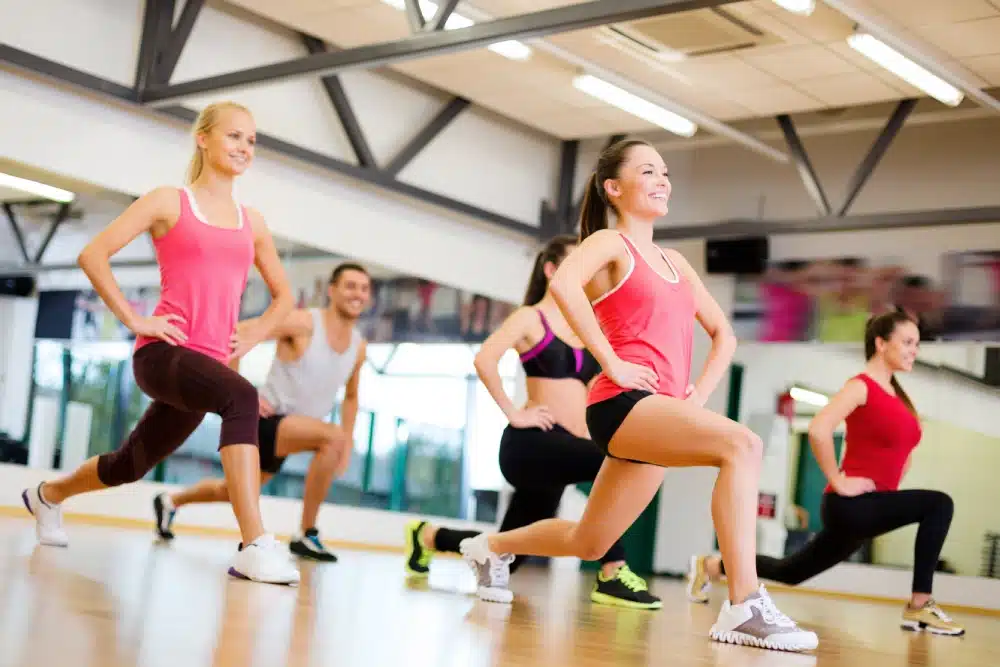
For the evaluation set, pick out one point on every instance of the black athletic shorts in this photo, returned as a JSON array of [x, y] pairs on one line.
[[267, 438], [606, 417]]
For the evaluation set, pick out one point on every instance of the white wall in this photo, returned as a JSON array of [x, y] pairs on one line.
[[17, 331], [479, 159]]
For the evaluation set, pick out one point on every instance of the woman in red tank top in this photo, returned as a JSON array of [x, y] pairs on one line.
[[863, 500], [205, 243], [634, 306]]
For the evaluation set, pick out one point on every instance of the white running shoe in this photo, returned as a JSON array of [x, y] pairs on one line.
[[266, 561], [48, 518], [758, 622], [492, 570]]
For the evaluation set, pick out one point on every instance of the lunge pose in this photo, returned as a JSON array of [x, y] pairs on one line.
[[863, 500], [205, 243], [546, 446], [634, 307], [319, 352]]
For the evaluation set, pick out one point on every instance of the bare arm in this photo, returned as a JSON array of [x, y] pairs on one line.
[[513, 329], [844, 402], [567, 286], [161, 207], [349, 408], [715, 323], [299, 322], [282, 301]]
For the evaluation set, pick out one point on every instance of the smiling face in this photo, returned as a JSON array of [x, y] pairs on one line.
[[227, 145], [900, 350], [350, 293], [641, 188]]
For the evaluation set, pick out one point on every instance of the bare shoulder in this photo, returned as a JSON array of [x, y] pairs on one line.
[[856, 390], [164, 201], [257, 222]]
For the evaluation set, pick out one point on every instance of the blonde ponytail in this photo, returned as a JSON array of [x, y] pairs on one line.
[[208, 119]]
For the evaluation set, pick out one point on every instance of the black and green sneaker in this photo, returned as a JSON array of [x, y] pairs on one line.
[[624, 589], [418, 555]]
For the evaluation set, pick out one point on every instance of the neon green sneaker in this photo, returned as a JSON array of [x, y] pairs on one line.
[[418, 555], [624, 589]]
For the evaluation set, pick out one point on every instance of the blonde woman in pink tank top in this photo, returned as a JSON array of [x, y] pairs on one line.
[[634, 306], [205, 244]]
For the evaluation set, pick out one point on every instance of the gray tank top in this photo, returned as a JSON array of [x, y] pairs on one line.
[[309, 385]]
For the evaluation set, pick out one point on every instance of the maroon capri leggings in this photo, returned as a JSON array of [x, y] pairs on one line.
[[184, 385]]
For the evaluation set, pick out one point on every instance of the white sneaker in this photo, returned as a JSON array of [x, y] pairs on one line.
[[492, 570], [48, 518], [266, 561], [758, 622]]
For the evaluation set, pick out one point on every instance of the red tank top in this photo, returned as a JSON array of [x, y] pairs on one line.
[[880, 436], [648, 319], [203, 272]]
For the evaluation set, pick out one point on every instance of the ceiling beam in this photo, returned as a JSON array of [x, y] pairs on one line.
[[432, 43], [742, 227], [804, 165], [430, 131]]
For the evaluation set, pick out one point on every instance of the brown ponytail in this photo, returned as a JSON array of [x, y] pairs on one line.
[[883, 327], [594, 211], [554, 251]]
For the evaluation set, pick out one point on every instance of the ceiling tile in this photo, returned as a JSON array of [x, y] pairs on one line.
[[922, 12], [722, 72], [849, 89], [988, 67], [797, 63], [771, 100], [961, 40]]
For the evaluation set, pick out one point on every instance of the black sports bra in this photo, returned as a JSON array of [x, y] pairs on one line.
[[554, 358]]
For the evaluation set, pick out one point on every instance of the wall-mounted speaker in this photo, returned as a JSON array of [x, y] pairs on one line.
[[745, 256], [17, 285]]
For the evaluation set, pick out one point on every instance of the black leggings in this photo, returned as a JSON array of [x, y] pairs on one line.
[[849, 521], [184, 385], [539, 465]]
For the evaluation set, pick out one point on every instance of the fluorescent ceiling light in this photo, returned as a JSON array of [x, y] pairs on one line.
[[510, 48], [810, 397], [905, 69], [634, 105], [32, 187], [802, 7]]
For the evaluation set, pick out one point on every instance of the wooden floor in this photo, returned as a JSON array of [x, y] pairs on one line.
[[116, 597]]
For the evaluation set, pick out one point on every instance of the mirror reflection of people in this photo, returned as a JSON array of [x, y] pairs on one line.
[[863, 499]]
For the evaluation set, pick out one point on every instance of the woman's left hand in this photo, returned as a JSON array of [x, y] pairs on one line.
[[246, 336], [691, 394]]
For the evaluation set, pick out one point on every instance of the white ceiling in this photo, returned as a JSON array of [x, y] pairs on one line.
[[754, 59]]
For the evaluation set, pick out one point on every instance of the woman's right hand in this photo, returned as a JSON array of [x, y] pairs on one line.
[[852, 486], [536, 416], [627, 375], [160, 326]]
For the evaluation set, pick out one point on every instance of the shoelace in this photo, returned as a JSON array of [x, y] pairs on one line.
[[500, 570], [630, 579], [772, 615], [932, 607]]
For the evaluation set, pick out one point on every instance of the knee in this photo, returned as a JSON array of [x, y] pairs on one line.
[[240, 414], [744, 448], [122, 466], [590, 545], [335, 439], [944, 506]]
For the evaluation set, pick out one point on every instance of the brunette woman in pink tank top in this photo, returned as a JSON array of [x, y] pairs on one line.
[[634, 306], [863, 499], [205, 243]]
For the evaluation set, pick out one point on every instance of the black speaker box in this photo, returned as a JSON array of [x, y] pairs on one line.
[[17, 285], [745, 256]]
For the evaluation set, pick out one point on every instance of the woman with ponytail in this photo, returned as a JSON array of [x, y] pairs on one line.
[[863, 500], [205, 243], [634, 305], [546, 447]]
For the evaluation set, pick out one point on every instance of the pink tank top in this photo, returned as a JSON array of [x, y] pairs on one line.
[[203, 272], [648, 319]]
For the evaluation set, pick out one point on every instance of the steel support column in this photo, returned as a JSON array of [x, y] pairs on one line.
[[342, 105], [415, 15], [426, 135], [444, 12], [430, 43], [833, 223], [565, 207], [57, 220], [804, 165], [16, 229], [878, 149], [63, 74], [171, 50]]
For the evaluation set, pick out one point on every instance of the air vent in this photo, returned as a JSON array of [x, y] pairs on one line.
[[688, 34]]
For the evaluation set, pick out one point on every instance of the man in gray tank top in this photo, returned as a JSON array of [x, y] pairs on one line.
[[318, 353]]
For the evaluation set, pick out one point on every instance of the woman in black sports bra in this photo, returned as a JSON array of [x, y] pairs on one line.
[[546, 445]]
